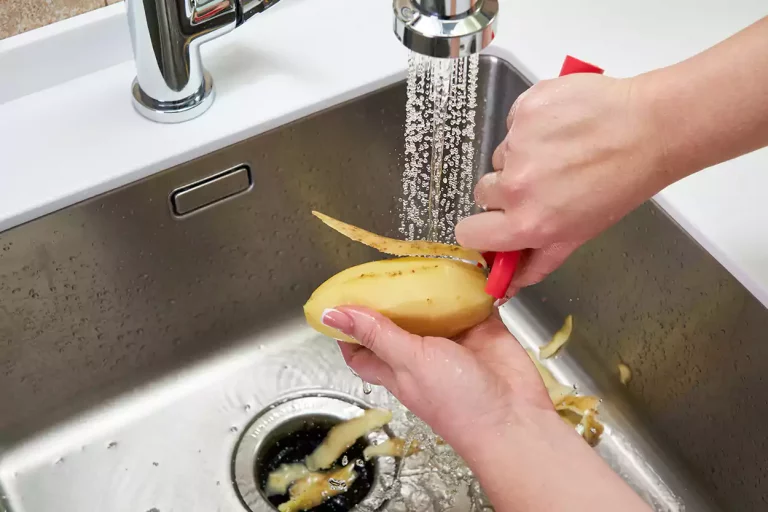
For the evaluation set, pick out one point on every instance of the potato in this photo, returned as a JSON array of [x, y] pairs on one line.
[[439, 295], [424, 296]]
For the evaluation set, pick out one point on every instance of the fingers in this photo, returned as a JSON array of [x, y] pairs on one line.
[[375, 332], [493, 231], [499, 157], [366, 364], [491, 193], [484, 332], [539, 263]]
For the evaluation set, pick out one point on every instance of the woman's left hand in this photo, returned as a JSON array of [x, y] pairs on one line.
[[482, 382]]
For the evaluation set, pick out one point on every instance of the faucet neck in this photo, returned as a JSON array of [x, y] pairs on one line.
[[171, 84]]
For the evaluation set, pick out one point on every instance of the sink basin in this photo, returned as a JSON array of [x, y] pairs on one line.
[[145, 331]]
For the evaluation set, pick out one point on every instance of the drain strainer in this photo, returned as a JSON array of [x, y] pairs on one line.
[[288, 431]]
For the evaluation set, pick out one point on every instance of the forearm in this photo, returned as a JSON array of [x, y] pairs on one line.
[[712, 107], [545, 465]]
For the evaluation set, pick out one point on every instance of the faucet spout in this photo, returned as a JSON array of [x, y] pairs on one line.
[[171, 83], [445, 28]]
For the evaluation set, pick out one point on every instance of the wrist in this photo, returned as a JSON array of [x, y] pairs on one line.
[[516, 465], [668, 157], [483, 443]]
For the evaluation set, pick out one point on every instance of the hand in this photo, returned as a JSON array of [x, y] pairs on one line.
[[582, 151], [483, 395], [481, 383]]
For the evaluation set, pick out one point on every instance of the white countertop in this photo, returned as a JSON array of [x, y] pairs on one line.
[[68, 130]]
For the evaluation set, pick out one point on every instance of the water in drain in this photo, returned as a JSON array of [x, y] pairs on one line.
[[295, 442], [433, 481]]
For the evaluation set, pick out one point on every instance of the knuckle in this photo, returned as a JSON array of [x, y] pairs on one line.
[[526, 106], [368, 336], [514, 183], [533, 101], [484, 188], [533, 229]]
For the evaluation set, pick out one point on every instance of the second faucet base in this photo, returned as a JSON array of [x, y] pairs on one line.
[[174, 111]]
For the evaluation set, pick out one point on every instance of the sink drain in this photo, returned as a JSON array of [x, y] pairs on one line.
[[291, 429]]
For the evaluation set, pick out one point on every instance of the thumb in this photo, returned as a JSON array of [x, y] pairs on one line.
[[375, 332]]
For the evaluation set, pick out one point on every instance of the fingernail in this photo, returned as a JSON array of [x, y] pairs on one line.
[[501, 302], [338, 320]]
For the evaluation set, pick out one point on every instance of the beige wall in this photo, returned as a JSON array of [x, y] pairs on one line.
[[17, 16]]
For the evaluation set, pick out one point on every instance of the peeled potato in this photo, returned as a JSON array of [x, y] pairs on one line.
[[424, 296], [428, 296]]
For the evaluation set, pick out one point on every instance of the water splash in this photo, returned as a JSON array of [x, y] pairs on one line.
[[437, 478], [439, 146]]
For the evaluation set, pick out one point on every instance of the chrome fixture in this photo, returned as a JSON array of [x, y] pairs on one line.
[[445, 28], [171, 84]]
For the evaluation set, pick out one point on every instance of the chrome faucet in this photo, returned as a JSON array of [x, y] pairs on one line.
[[171, 84], [445, 28]]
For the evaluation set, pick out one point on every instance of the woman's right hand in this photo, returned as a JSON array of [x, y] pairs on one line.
[[581, 152]]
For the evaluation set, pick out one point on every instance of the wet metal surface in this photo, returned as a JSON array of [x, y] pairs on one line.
[[136, 345]]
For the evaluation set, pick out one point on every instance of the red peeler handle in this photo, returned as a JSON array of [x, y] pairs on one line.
[[504, 264]]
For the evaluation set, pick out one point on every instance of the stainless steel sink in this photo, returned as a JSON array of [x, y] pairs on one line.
[[143, 331]]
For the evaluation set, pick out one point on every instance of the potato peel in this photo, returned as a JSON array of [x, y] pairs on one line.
[[591, 429], [344, 435], [401, 247], [625, 373], [560, 338], [580, 405], [578, 411], [392, 447], [315, 488], [557, 392], [281, 479]]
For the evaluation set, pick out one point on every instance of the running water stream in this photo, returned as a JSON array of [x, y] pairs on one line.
[[436, 194], [437, 185], [439, 146]]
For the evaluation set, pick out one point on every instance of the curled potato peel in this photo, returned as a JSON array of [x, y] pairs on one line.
[[400, 247], [344, 435], [427, 296]]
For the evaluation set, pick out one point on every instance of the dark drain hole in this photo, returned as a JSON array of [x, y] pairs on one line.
[[293, 441]]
